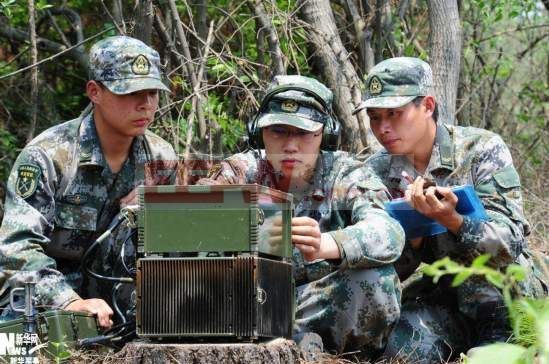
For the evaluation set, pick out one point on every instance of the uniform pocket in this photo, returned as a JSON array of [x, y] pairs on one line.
[[76, 217], [507, 178], [507, 184]]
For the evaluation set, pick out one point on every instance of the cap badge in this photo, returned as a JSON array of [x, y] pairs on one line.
[[375, 86], [289, 106], [141, 65]]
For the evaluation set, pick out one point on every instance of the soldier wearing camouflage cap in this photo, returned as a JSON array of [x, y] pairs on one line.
[[71, 180], [344, 242], [438, 320]]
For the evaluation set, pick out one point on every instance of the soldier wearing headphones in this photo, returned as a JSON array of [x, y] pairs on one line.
[[344, 242]]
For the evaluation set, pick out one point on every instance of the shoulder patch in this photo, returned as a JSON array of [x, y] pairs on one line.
[[27, 180]]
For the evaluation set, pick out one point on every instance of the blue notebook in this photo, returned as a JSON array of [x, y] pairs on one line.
[[416, 225]]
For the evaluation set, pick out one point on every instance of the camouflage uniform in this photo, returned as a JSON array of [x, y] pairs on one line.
[[436, 319], [352, 302], [61, 193]]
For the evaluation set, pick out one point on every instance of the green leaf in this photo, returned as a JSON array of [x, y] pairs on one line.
[[496, 278], [461, 277], [516, 272], [500, 353], [481, 260]]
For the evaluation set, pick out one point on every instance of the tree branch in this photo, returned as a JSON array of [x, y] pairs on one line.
[[196, 99], [188, 64], [272, 36], [363, 36], [44, 44], [34, 72], [517, 29], [57, 54], [121, 30]]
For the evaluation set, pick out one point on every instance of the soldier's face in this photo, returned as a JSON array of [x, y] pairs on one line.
[[403, 130], [126, 115], [291, 150]]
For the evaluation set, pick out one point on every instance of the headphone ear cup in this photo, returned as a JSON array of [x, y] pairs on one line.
[[255, 137], [330, 135]]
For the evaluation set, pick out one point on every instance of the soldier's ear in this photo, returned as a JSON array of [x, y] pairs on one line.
[[429, 103], [94, 90]]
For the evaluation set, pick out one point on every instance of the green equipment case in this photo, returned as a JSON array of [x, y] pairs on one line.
[[214, 261], [61, 330], [202, 219]]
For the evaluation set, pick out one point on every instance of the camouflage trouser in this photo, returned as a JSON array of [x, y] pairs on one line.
[[427, 333], [439, 322], [350, 309]]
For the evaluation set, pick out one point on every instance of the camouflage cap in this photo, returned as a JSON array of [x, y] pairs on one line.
[[396, 82], [297, 108], [125, 65]]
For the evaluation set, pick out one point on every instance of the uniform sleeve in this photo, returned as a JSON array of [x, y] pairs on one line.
[[498, 185], [371, 237], [163, 168], [28, 221]]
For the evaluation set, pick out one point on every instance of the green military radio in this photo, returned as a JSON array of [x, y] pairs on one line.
[[52, 332], [214, 261]]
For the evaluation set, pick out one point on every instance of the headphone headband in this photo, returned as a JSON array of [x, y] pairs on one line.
[[283, 88], [330, 140]]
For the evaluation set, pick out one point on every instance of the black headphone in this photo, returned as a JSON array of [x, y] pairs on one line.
[[330, 133]]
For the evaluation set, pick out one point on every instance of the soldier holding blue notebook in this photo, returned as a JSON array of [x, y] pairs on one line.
[[438, 320]]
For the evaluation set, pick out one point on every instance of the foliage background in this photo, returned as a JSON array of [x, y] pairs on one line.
[[503, 73]]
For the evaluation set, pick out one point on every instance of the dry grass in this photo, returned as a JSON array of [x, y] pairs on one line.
[[536, 203]]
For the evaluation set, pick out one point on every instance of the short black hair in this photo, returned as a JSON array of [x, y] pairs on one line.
[[417, 102]]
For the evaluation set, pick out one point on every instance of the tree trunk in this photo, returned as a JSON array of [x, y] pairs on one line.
[[264, 20], [278, 351], [383, 29], [34, 71], [337, 72], [118, 14], [202, 20], [445, 51], [363, 37], [143, 21]]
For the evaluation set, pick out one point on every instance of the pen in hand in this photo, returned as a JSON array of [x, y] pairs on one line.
[[415, 243], [407, 177], [426, 184]]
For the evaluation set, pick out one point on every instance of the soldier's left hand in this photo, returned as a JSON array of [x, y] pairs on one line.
[[426, 202], [129, 199], [311, 243]]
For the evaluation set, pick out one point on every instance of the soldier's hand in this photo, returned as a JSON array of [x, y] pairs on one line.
[[311, 243], [442, 210], [95, 306], [129, 199], [273, 232]]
